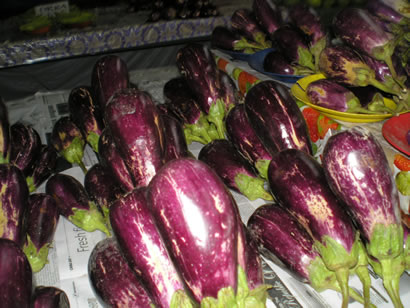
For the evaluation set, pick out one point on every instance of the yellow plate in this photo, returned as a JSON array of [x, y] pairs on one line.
[[298, 91]]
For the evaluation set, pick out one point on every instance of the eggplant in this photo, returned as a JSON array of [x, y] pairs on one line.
[[112, 280], [5, 136], [369, 192], [41, 222], [254, 267], [276, 117], [102, 188], [276, 62], [74, 204], [292, 247], [198, 219], [25, 145], [229, 91], [228, 39], [386, 12], [175, 88], [298, 183], [370, 98], [85, 113], [234, 169], [111, 159], [267, 15], [242, 135], [332, 95], [190, 60], [175, 142], [49, 297], [44, 166], [109, 74], [13, 203], [243, 21], [68, 141], [143, 247], [137, 131], [17, 278], [294, 46]]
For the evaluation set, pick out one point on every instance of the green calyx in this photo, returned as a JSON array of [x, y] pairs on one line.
[[89, 220], [252, 187], [262, 166], [402, 180], [74, 153], [92, 140], [30, 184], [37, 258], [386, 242], [180, 299], [216, 116], [316, 49], [305, 58]]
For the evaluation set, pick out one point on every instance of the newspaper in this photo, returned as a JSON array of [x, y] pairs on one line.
[[68, 257]]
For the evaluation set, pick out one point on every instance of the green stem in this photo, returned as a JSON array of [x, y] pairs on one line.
[[342, 276], [353, 294], [363, 274], [82, 166], [388, 276]]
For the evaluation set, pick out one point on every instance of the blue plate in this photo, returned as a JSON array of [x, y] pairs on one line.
[[236, 55], [256, 62]]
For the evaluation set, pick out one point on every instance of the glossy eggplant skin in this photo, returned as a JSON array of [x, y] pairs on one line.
[[111, 159], [242, 135], [137, 130], [141, 243], [85, 113], [385, 12], [16, 276], [308, 21], [5, 142], [229, 91], [276, 118], [267, 15], [41, 223], [13, 203], [25, 145], [175, 142], [110, 73], [177, 87], [204, 252], [254, 267], [49, 297], [276, 62], [113, 281]]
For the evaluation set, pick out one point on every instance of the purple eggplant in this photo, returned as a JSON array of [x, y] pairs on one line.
[[234, 169], [175, 88], [113, 281], [276, 117], [85, 113], [267, 15], [25, 146], [291, 42], [43, 168], [17, 278], [292, 247], [370, 98], [242, 135], [190, 60], [298, 183], [143, 247], [175, 142], [358, 172], [49, 297], [137, 131], [229, 39], [229, 91], [253, 261], [109, 74], [111, 159], [102, 188], [5, 142], [329, 94], [69, 141], [41, 223], [386, 12], [13, 203], [187, 190], [276, 62], [74, 204], [243, 21]]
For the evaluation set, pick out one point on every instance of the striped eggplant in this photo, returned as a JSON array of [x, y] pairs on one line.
[[44, 166], [386, 12], [41, 223], [49, 297], [69, 142], [292, 247], [16, 281], [298, 182], [276, 117], [198, 220], [267, 14], [85, 113], [358, 172], [229, 91], [137, 131], [229, 39], [74, 204], [253, 261], [276, 62], [142, 245], [111, 159], [110, 73], [13, 203], [175, 141], [102, 188], [25, 146], [234, 169], [240, 132], [5, 142], [112, 280]]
